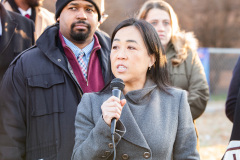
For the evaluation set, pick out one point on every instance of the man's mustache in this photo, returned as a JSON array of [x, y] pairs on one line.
[[81, 22]]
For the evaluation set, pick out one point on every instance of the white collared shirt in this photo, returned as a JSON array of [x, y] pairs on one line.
[[29, 11]]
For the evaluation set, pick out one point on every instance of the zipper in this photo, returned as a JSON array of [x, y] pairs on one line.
[[88, 63], [75, 79], [72, 74], [88, 67], [79, 64]]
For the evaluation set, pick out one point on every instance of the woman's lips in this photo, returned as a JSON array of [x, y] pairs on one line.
[[161, 36], [121, 68]]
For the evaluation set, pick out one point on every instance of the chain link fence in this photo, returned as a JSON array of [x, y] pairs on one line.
[[221, 65]]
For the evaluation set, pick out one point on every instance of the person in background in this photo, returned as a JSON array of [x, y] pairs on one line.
[[42, 88], [185, 68], [32, 9], [233, 93], [148, 103], [233, 148], [232, 111], [16, 35]]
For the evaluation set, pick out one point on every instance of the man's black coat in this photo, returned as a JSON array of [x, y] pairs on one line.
[[17, 35]]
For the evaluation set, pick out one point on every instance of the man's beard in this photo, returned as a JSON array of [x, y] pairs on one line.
[[80, 36], [34, 3]]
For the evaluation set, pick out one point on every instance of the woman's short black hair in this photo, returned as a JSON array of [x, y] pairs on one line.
[[158, 73]]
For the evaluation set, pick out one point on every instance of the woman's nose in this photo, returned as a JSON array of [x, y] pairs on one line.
[[121, 54], [160, 27]]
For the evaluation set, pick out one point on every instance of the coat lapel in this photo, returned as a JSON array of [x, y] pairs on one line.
[[170, 52], [8, 30], [133, 133], [104, 56]]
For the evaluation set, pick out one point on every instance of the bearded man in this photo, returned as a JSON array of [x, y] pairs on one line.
[[42, 88]]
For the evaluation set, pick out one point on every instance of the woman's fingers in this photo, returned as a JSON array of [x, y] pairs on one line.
[[112, 108], [123, 102]]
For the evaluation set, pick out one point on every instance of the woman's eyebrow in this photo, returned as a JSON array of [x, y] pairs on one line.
[[126, 40], [131, 41]]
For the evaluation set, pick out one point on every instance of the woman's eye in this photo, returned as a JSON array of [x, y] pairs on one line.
[[131, 48], [154, 23], [114, 47], [166, 23]]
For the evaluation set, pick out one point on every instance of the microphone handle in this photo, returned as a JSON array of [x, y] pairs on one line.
[[117, 93]]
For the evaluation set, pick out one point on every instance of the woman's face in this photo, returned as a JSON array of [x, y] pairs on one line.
[[161, 21], [129, 57]]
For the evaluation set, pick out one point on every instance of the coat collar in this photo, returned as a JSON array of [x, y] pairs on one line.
[[133, 133], [50, 45], [104, 57], [13, 6], [170, 51], [142, 95], [8, 28]]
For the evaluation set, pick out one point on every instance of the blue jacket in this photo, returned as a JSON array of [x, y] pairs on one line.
[[39, 98]]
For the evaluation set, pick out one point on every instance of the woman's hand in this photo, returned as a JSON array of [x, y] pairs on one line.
[[112, 108]]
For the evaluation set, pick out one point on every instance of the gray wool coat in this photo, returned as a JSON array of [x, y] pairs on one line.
[[153, 125]]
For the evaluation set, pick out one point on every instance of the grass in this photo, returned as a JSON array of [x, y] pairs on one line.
[[218, 97]]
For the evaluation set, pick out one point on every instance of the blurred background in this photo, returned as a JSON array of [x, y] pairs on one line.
[[216, 24]]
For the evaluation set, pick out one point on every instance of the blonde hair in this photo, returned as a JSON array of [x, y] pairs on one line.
[[181, 41], [160, 4]]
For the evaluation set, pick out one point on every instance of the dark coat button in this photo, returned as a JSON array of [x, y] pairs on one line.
[[46, 83], [110, 145], [107, 153], [146, 155], [124, 156]]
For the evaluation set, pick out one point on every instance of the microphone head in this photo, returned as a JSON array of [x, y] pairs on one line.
[[117, 83]]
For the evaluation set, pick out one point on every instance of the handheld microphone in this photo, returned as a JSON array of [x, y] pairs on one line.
[[116, 86]]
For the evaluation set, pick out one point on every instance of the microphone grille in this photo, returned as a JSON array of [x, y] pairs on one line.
[[117, 83]]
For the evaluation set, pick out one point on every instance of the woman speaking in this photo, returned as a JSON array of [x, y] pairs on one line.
[[153, 119]]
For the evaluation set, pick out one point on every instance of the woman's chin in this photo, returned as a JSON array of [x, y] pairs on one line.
[[122, 77]]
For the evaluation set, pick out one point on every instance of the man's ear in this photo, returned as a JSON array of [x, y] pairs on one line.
[[103, 18], [98, 24]]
